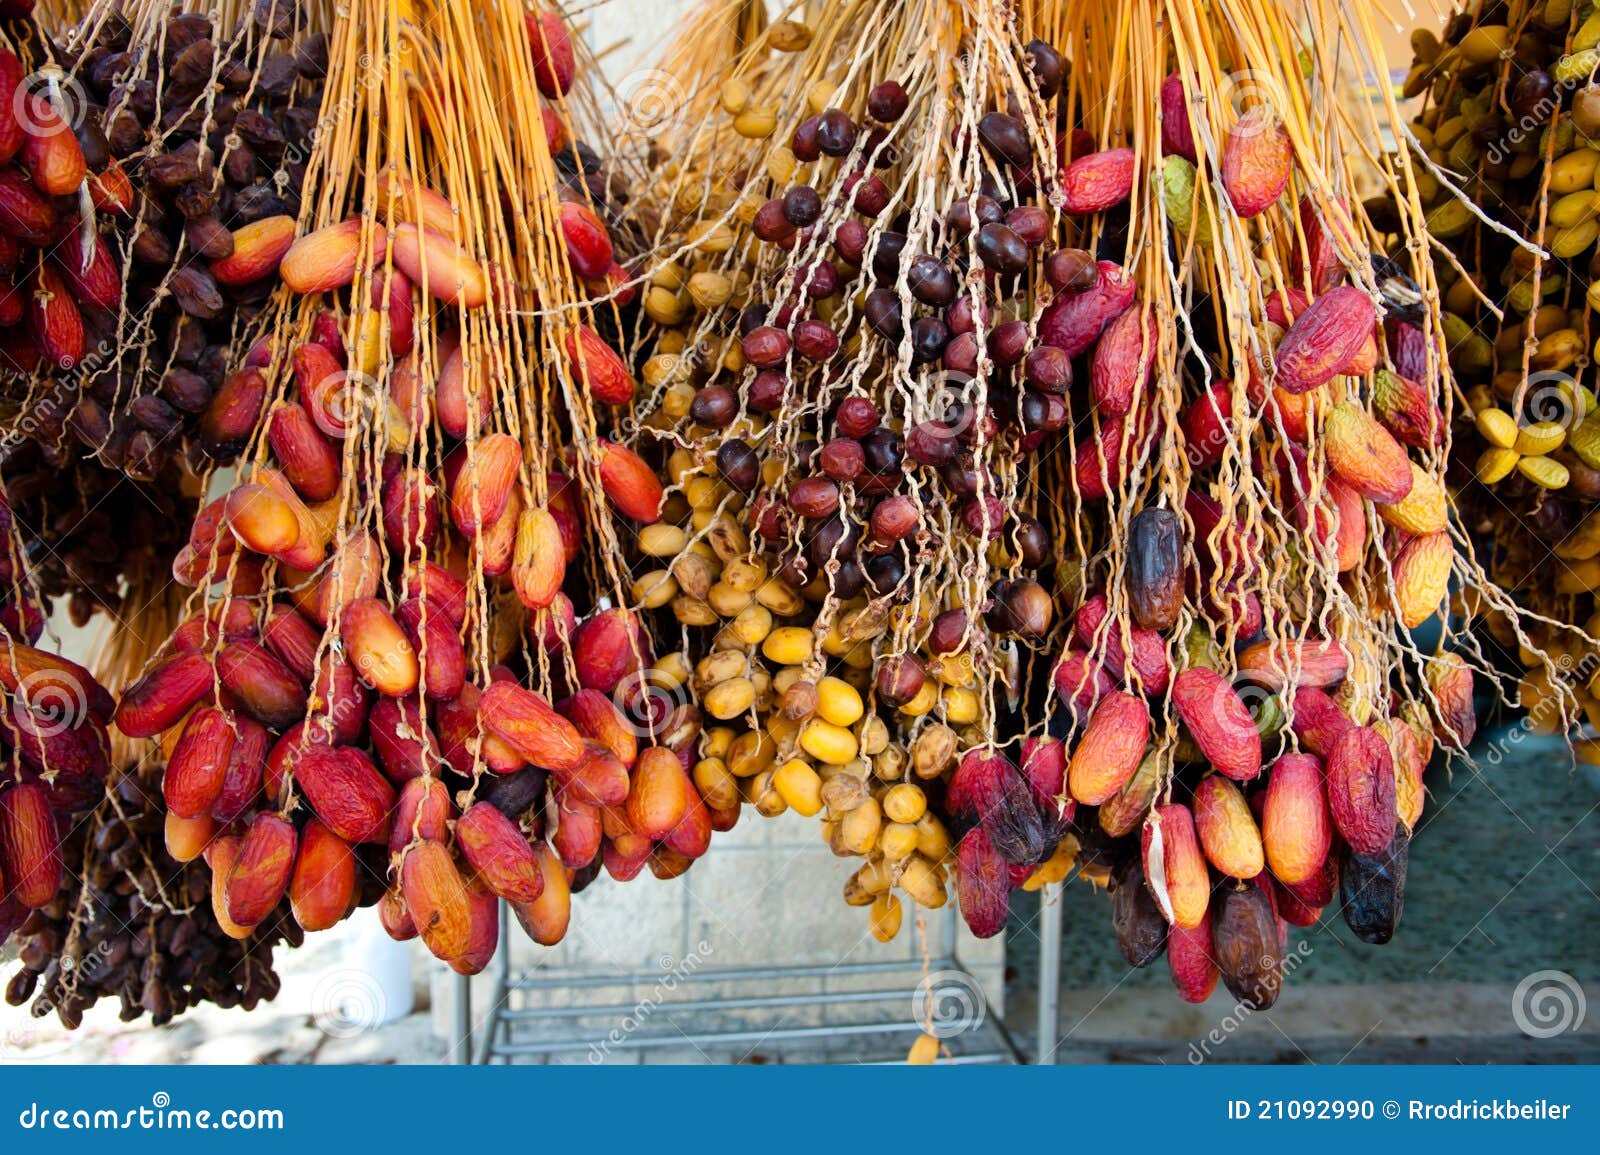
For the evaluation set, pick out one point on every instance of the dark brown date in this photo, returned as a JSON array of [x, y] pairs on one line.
[[1155, 568]]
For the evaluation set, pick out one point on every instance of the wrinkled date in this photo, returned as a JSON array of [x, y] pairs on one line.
[[1372, 889], [1155, 568], [1248, 953], [1136, 920]]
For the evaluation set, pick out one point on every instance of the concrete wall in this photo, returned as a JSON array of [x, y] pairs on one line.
[[641, 28]]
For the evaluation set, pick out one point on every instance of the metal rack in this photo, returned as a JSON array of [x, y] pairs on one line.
[[1049, 1028], [846, 1012]]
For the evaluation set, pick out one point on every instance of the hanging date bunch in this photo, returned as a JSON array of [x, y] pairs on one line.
[[87, 534], [847, 408], [1055, 463], [1261, 505], [407, 630], [130, 922], [1256, 488], [839, 483], [57, 747], [54, 756], [1509, 105], [154, 180]]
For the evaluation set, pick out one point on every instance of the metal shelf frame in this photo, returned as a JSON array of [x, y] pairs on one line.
[[513, 1032]]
